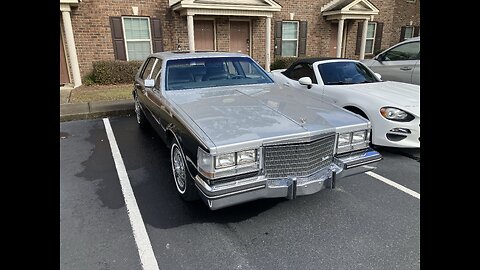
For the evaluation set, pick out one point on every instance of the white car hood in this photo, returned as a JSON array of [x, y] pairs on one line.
[[402, 95]]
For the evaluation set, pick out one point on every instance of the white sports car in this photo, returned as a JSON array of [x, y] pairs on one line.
[[393, 108]]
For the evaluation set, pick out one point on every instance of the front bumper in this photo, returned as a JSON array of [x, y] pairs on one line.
[[253, 188]]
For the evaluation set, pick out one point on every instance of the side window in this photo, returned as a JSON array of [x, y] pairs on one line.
[[408, 51], [293, 71], [156, 73], [303, 70], [148, 68], [156, 69]]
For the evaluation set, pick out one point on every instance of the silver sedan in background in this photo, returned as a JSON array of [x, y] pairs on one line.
[[400, 62]]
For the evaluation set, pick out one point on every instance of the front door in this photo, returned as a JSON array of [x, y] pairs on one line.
[[240, 37], [204, 37], [63, 65], [333, 40]]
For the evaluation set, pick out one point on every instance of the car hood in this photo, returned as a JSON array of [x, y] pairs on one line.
[[397, 94], [262, 112], [368, 62]]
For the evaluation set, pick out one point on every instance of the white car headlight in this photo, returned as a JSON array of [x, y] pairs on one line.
[[248, 156], [352, 141], [228, 164], [225, 160], [395, 114], [359, 136], [344, 139]]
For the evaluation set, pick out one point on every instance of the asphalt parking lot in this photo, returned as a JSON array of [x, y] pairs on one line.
[[364, 223]]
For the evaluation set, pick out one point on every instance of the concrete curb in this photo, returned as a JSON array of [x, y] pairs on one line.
[[97, 109]]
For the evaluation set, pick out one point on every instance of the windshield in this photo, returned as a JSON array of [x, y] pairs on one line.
[[213, 72], [335, 73]]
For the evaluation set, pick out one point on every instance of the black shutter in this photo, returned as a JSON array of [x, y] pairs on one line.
[[278, 38], [402, 33], [302, 43], [117, 38], [156, 27], [359, 38], [416, 31], [378, 38]]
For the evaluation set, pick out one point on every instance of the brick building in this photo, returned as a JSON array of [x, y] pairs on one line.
[[94, 30]]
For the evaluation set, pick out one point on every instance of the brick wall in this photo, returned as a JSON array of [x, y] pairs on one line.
[[93, 39], [91, 26]]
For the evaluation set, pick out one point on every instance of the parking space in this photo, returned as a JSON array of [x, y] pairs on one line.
[[362, 224]]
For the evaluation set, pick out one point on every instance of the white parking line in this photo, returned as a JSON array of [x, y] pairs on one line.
[[391, 183], [147, 257]]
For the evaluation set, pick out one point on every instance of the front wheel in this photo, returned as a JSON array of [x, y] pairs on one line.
[[184, 183]]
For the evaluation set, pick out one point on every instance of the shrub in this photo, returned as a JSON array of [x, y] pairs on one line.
[[114, 72], [88, 80], [283, 62]]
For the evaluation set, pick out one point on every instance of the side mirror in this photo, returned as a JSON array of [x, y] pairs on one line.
[[378, 76], [306, 81], [149, 83]]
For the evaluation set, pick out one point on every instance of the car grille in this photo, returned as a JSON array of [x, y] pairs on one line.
[[298, 159]]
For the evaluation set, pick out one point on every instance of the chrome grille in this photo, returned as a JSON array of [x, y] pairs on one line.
[[298, 159]]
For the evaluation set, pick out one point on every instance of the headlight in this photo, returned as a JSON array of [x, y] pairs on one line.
[[395, 114], [226, 160], [344, 139], [247, 156], [359, 136], [228, 164], [351, 141]]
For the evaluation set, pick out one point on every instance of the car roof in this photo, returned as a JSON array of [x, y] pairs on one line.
[[312, 60], [168, 55]]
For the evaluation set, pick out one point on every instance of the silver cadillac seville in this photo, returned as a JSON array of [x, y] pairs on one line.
[[236, 136]]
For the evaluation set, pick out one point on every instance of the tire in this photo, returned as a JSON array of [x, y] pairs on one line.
[[183, 182], [141, 119]]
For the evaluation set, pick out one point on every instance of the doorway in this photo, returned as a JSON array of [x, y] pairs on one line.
[[204, 35], [240, 37]]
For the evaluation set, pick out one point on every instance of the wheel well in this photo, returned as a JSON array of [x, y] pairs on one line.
[[169, 136], [357, 111]]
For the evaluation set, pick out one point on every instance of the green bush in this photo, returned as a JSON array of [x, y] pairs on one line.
[[283, 62], [88, 80], [114, 72]]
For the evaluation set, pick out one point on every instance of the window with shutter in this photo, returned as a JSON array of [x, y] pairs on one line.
[[137, 37], [290, 38]]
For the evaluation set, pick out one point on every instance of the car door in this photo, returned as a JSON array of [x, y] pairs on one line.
[[299, 71], [398, 63], [156, 101], [416, 73], [139, 84]]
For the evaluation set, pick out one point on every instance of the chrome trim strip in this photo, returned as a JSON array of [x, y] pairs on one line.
[[347, 166], [231, 193]]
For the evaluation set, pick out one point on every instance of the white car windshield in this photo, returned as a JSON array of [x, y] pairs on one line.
[[213, 72], [336, 73]]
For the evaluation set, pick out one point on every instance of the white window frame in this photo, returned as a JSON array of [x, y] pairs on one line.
[[372, 38], [291, 39], [413, 32], [125, 36]]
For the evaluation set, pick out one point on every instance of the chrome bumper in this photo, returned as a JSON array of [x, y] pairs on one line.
[[249, 189]]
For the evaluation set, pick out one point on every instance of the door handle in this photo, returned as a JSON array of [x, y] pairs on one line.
[[406, 68]]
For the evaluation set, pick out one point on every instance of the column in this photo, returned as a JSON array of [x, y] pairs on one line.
[[72, 51], [268, 34], [191, 37], [340, 37], [364, 39]]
